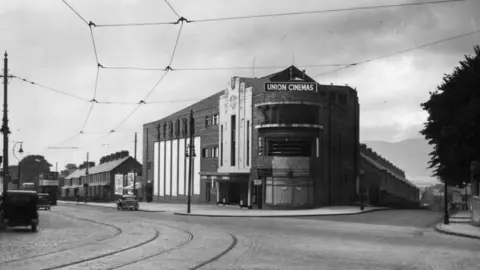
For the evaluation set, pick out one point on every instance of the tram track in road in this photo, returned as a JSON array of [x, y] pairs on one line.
[[218, 256], [75, 249], [157, 234], [118, 231], [190, 237], [188, 240]]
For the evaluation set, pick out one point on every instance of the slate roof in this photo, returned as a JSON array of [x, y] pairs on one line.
[[104, 167], [380, 167]]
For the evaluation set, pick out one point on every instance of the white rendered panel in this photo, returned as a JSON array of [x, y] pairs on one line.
[[162, 169], [168, 167], [181, 168], [196, 168], [174, 167], [155, 168]]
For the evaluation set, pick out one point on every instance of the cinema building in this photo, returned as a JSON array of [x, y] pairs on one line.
[[280, 141]]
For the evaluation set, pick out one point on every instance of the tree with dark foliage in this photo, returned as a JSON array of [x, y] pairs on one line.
[[31, 166], [84, 165], [453, 125]]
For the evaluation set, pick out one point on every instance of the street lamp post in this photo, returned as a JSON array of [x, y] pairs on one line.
[[20, 151], [5, 129], [190, 154], [445, 198], [361, 174]]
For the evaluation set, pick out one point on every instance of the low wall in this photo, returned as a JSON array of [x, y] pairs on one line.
[[476, 210]]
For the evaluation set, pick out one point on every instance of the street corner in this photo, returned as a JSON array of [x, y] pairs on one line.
[[459, 229], [318, 212], [55, 232], [143, 207]]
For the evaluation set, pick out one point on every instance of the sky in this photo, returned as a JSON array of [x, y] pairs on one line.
[[50, 45]]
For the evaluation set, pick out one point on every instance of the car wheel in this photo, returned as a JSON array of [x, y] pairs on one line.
[[34, 227]]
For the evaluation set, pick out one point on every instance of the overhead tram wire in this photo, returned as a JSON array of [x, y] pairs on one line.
[[322, 11], [280, 14], [51, 89], [150, 102], [223, 68], [167, 69], [399, 52], [182, 19]]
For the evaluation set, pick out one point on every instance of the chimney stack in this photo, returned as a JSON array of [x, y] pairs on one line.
[[303, 74]]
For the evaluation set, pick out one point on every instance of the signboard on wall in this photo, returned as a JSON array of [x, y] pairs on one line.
[[291, 86], [118, 184]]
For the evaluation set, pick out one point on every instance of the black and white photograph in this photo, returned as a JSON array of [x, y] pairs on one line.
[[240, 134]]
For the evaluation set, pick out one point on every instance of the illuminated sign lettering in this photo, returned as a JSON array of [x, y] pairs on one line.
[[291, 86]]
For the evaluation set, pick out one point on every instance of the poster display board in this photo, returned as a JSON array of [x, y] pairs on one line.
[[118, 184]]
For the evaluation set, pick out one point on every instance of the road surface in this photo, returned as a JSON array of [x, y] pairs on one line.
[[141, 240]]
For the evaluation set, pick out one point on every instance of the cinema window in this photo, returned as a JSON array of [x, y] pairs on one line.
[[289, 147]]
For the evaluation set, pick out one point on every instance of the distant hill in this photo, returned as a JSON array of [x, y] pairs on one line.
[[410, 155]]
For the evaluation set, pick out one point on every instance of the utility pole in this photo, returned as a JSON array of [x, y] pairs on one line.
[[135, 168], [329, 153], [5, 130], [85, 186]]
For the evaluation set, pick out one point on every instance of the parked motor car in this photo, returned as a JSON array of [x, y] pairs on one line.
[[19, 208], [43, 201], [129, 202]]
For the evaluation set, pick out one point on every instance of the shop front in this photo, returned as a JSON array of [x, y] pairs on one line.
[[226, 188]]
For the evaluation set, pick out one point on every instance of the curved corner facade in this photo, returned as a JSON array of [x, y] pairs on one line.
[[281, 141]]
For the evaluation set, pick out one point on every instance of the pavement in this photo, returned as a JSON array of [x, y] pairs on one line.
[[197, 242], [418, 218], [230, 211], [460, 225]]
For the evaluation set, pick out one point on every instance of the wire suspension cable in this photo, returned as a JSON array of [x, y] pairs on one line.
[[171, 7], [96, 83], [71, 8], [176, 45], [156, 85], [400, 52], [88, 116], [94, 45]]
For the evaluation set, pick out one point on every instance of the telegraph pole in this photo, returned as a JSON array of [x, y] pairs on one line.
[[5, 130], [85, 186], [135, 168]]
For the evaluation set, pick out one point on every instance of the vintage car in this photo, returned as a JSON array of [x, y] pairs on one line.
[[19, 208], [43, 201], [127, 202]]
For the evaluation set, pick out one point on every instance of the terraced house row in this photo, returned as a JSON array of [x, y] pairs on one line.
[[279, 141]]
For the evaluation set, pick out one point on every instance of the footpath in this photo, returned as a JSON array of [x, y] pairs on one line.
[[235, 211], [460, 225]]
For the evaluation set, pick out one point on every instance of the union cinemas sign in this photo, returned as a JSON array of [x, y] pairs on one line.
[[291, 86]]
